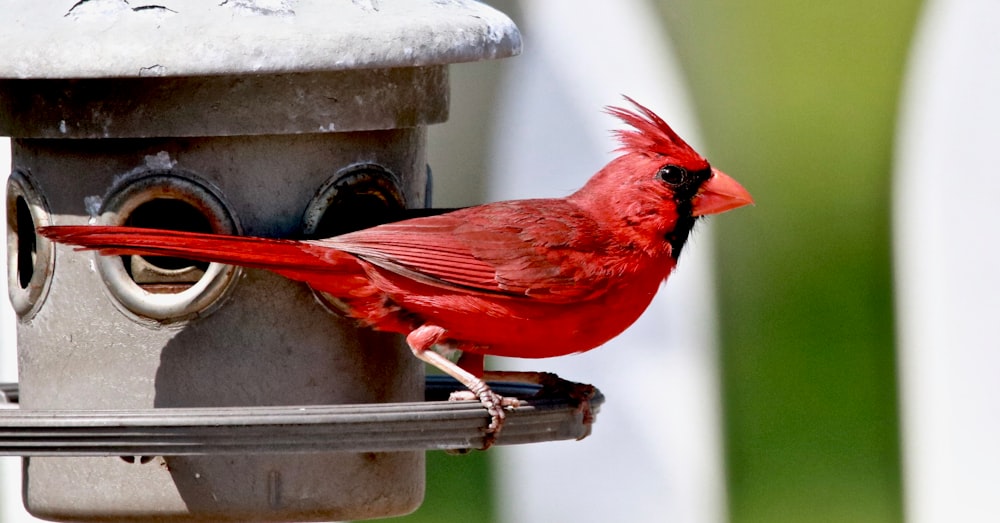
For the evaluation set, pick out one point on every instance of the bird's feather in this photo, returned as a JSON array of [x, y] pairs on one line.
[[535, 249]]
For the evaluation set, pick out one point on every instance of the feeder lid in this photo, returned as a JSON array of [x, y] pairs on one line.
[[129, 38]]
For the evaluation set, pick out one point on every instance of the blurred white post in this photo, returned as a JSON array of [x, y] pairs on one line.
[[947, 257], [655, 454], [11, 508]]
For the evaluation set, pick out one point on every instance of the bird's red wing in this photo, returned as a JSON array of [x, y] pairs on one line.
[[538, 249]]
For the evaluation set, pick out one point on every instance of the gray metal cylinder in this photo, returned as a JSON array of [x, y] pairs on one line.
[[239, 135]]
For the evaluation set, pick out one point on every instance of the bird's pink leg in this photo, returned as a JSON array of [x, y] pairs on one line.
[[422, 340]]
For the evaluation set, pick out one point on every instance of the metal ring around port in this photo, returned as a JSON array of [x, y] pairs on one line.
[[201, 298], [347, 177], [27, 299], [327, 194]]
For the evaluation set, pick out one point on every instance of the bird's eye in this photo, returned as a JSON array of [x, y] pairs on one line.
[[672, 175]]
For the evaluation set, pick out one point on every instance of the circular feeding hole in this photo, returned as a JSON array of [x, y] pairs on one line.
[[26, 242], [164, 288], [354, 199], [30, 257], [166, 274]]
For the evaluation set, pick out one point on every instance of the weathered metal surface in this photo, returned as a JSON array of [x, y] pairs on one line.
[[112, 38]]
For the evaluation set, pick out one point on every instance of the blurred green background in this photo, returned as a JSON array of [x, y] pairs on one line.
[[797, 100]]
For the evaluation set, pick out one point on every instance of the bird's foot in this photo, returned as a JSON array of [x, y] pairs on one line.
[[491, 403], [552, 386], [495, 405]]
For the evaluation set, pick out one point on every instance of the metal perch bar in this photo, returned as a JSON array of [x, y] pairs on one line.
[[434, 424]]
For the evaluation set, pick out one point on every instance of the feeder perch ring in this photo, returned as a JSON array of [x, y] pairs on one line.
[[435, 424]]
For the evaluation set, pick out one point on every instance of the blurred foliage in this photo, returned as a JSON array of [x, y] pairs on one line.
[[797, 100]]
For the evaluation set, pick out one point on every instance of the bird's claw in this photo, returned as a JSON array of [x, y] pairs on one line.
[[495, 405]]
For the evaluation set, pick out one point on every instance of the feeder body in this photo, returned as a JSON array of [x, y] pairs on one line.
[[269, 343], [247, 137]]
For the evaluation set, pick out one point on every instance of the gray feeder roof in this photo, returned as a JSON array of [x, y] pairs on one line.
[[128, 38]]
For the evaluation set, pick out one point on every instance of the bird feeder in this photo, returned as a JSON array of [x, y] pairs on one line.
[[155, 388]]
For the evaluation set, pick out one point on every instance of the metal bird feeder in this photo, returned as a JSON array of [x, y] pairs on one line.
[[160, 389]]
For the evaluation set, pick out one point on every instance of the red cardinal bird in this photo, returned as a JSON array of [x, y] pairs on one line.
[[524, 278]]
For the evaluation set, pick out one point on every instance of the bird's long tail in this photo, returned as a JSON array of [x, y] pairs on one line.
[[293, 259]]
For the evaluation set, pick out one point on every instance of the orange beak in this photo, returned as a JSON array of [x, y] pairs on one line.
[[719, 194]]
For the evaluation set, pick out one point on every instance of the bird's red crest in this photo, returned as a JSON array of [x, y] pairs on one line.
[[651, 135]]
